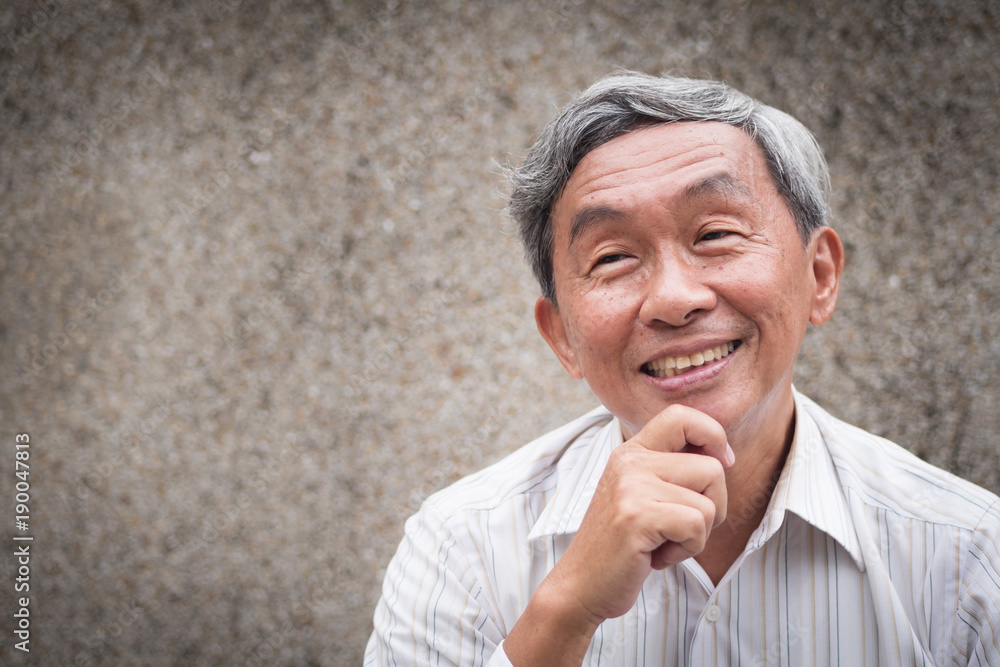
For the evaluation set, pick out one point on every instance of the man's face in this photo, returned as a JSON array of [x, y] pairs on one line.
[[681, 278]]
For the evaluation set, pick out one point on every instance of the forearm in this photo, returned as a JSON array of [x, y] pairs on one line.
[[553, 631]]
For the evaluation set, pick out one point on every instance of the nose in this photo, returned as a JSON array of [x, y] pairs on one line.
[[676, 293]]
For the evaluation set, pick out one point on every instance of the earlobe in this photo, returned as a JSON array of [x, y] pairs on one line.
[[827, 266], [553, 330]]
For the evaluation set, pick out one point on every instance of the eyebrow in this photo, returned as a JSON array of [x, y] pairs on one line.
[[722, 185], [591, 216]]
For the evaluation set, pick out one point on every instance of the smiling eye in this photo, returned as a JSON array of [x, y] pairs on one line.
[[714, 236], [610, 259]]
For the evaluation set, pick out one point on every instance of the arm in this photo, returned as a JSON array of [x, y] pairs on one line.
[[429, 612], [655, 506], [977, 626]]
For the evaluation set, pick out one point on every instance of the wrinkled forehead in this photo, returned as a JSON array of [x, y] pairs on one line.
[[705, 156]]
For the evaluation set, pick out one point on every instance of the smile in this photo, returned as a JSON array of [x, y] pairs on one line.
[[668, 367]]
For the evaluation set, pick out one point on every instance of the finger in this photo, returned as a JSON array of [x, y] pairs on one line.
[[663, 512], [697, 473], [678, 426], [684, 533], [671, 553]]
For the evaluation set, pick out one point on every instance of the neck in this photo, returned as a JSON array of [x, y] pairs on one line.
[[749, 485]]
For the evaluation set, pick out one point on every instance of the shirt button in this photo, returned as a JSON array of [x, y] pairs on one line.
[[713, 613]]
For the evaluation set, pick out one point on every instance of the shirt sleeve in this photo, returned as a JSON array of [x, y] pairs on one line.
[[433, 608], [977, 626]]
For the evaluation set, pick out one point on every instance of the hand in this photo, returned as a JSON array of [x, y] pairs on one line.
[[660, 496], [655, 505]]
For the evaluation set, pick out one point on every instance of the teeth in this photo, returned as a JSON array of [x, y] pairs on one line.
[[671, 366]]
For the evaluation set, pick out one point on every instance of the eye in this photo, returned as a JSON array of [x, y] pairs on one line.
[[714, 236], [610, 259]]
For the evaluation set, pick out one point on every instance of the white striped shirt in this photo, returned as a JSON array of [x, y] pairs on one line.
[[866, 556]]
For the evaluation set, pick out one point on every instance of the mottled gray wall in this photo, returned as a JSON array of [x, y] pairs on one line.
[[259, 297]]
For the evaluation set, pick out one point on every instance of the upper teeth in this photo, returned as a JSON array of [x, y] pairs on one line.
[[671, 366]]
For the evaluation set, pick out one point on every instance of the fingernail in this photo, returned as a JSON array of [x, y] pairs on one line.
[[730, 454]]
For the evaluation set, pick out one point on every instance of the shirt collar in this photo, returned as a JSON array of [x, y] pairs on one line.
[[808, 486], [578, 472]]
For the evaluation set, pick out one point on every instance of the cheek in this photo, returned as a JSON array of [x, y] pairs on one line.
[[776, 305], [599, 332], [590, 335]]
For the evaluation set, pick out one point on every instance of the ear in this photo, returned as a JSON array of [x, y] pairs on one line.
[[553, 330], [827, 265]]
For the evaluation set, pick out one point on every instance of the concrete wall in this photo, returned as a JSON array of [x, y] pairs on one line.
[[259, 297]]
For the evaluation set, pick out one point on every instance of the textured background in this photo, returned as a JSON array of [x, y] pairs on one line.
[[259, 297]]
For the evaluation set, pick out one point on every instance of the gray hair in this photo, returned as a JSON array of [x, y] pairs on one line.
[[627, 101]]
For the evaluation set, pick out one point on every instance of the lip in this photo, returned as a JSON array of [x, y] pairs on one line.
[[691, 348], [699, 373]]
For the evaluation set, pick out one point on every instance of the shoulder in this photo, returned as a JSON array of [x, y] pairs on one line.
[[458, 565], [927, 534], [887, 477], [531, 471]]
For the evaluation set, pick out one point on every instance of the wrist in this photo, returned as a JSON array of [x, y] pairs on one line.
[[553, 630]]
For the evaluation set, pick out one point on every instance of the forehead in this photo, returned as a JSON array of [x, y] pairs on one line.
[[663, 162]]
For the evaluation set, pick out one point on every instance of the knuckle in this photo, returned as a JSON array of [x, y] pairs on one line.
[[630, 512], [621, 474], [693, 521], [672, 413], [713, 466], [675, 409], [631, 502], [670, 417], [624, 457], [709, 513]]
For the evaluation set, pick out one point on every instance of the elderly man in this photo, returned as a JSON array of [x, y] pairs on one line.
[[707, 514]]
